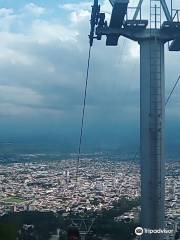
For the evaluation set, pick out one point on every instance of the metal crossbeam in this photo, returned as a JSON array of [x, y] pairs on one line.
[[166, 11], [137, 9], [164, 6]]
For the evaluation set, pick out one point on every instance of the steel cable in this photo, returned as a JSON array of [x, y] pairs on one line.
[[167, 100], [83, 113], [172, 91]]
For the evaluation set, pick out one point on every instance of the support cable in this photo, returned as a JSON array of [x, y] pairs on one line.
[[83, 113], [170, 95], [172, 91]]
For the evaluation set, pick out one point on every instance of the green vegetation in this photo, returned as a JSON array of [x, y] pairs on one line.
[[13, 200], [8, 231], [104, 226], [46, 223]]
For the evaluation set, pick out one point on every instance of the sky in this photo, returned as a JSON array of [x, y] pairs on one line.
[[43, 58]]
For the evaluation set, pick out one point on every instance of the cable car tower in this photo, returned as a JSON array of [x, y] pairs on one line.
[[151, 34]]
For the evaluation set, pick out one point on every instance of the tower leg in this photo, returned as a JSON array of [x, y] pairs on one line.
[[152, 115], [83, 236]]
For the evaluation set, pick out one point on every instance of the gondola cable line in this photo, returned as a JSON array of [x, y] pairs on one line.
[[83, 113], [84, 103]]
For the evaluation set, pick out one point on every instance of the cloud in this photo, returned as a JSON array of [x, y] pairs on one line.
[[13, 57], [43, 60], [78, 11], [45, 32], [19, 95], [5, 12], [79, 16], [12, 110], [7, 19], [34, 9], [76, 6]]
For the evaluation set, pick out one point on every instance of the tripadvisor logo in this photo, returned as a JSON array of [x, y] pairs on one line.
[[139, 231]]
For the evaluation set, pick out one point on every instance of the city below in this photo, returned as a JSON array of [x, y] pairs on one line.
[[44, 185]]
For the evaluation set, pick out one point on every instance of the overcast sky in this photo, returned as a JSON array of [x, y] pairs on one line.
[[43, 57]]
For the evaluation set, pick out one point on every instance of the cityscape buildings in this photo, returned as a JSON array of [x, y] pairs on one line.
[[52, 186]]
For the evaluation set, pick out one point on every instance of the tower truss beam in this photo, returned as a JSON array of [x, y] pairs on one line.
[[166, 10]]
